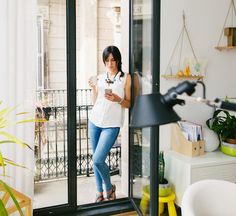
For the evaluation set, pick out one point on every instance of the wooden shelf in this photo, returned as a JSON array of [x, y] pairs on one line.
[[225, 47], [182, 77]]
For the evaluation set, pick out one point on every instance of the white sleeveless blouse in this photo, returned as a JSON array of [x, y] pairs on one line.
[[107, 113]]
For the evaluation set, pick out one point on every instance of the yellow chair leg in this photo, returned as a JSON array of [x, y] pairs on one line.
[[171, 208], [144, 205], [161, 208], [28, 210]]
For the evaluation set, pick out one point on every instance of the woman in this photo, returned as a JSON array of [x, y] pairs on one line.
[[111, 94]]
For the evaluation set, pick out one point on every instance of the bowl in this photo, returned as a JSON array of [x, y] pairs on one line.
[[229, 149]]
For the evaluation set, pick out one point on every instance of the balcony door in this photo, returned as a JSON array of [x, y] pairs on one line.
[[142, 84], [71, 37], [51, 141], [145, 72], [98, 25]]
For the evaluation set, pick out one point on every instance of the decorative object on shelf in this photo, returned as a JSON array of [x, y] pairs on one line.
[[224, 125], [188, 67], [228, 30], [211, 140], [182, 145]]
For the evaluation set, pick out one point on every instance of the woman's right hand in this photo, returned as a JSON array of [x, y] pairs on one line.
[[91, 84], [92, 81]]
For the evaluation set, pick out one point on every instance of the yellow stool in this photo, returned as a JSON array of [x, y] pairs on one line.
[[144, 204], [170, 203]]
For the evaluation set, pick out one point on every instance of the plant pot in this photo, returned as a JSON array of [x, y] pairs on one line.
[[231, 140], [229, 149], [164, 189]]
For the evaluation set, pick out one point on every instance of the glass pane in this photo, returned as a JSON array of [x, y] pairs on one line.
[[142, 78], [98, 26], [51, 137]]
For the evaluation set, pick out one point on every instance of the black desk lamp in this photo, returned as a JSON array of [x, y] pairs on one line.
[[155, 109], [152, 110]]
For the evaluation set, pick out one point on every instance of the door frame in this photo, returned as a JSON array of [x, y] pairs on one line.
[[71, 208], [154, 137], [124, 204]]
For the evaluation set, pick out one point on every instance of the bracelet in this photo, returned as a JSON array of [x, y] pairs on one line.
[[121, 100]]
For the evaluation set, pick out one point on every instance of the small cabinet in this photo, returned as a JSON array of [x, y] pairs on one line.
[[182, 171]]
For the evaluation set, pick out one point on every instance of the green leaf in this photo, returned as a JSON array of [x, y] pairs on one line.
[[8, 161], [31, 120], [2, 164], [6, 176], [3, 123], [22, 113], [3, 211], [14, 139], [8, 189], [223, 124], [4, 111], [6, 141]]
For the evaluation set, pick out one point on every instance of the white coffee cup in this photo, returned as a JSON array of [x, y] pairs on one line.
[[93, 80]]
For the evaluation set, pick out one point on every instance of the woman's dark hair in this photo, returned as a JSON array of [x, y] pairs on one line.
[[116, 55]]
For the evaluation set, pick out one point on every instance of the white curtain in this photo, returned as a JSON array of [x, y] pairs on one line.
[[18, 66]]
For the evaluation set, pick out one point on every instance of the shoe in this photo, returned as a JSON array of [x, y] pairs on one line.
[[99, 198], [112, 194]]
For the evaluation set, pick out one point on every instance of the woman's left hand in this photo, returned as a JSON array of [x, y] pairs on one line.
[[112, 97]]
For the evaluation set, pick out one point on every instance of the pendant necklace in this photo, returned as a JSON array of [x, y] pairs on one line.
[[109, 81]]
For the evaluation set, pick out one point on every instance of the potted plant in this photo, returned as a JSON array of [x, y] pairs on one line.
[[164, 186], [224, 125], [5, 115]]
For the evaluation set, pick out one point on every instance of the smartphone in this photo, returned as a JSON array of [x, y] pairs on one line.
[[108, 91]]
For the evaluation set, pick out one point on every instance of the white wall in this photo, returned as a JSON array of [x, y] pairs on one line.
[[204, 21]]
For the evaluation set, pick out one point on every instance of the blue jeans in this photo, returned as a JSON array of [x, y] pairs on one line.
[[102, 139]]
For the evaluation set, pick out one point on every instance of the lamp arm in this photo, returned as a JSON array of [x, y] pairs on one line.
[[213, 103], [227, 105]]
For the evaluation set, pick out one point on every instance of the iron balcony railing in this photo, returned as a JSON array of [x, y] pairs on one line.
[[51, 137]]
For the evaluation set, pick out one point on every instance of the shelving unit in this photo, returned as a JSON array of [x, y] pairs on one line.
[[184, 67], [182, 77], [231, 37], [220, 48]]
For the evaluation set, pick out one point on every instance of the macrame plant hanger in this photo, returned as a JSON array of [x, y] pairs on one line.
[[232, 11], [180, 41]]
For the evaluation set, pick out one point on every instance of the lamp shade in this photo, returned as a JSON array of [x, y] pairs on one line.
[[151, 110]]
